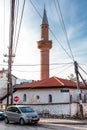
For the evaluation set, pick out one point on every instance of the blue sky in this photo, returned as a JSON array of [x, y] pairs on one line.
[[61, 65]]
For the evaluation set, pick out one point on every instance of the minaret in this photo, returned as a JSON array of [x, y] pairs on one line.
[[44, 45]]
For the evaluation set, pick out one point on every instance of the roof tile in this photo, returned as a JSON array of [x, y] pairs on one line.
[[49, 83]]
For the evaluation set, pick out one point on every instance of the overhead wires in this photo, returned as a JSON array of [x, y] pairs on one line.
[[70, 56], [16, 21], [50, 30], [63, 26], [17, 30], [4, 24], [22, 12]]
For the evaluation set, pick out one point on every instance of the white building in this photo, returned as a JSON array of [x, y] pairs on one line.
[[54, 95], [3, 82]]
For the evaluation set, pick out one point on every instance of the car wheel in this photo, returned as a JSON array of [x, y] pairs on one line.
[[6, 120], [22, 122]]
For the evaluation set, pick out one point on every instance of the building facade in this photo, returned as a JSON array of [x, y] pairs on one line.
[[54, 95], [3, 82]]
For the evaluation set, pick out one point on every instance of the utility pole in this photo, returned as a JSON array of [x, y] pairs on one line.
[[78, 89], [10, 54]]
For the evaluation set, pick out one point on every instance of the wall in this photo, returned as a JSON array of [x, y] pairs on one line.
[[43, 94], [85, 109], [3, 83], [60, 101], [74, 108], [52, 109]]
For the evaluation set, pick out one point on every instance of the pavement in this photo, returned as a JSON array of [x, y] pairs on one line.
[[64, 121]]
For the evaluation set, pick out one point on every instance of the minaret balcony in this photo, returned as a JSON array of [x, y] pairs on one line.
[[44, 44]]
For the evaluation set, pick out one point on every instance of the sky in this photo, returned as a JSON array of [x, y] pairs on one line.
[[26, 63]]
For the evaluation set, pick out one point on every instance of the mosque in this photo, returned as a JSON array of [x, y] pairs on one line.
[[52, 95]]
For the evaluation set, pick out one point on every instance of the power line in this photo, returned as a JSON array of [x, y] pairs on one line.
[[40, 64], [37, 64], [83, 70], [25, 71], [64, 28], [4, 25], [60, 44], [35, 9], [50, 30], [20, 25], [16, 18], [63, 70]]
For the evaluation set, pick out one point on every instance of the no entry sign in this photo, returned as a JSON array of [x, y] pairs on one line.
[[16, 99]]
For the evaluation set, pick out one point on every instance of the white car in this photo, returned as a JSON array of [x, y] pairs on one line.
[[21, 114]]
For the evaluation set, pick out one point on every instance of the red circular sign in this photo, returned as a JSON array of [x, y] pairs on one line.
[[16, 98]]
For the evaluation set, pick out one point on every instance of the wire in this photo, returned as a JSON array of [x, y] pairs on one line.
[[50, 29], [16, 18], [39, 64], [35, 9], [63, 70], [60, 44], [24, 71], [20, 26], [82, 70], [64, 28], [4, 26]]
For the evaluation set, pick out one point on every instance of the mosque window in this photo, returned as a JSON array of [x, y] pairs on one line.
[[24, 97], [38, 97], [50, 98]]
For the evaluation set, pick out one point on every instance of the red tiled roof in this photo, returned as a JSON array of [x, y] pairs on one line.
[[50, 83]]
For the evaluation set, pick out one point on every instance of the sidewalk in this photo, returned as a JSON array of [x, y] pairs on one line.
[[64, 121]]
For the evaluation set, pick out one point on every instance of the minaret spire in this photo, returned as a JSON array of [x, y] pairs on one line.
[[44, 26], [44, 20]]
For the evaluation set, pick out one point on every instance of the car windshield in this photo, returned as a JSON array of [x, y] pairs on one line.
[[26, 109]]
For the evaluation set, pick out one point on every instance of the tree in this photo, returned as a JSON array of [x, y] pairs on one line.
[[72, 77]]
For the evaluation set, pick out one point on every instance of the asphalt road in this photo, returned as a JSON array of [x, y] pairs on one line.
[[41, 126]]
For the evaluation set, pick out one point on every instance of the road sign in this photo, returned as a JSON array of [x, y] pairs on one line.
[[16, 99], [64, 91]]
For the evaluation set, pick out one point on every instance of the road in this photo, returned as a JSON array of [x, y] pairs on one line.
[[41, 126]]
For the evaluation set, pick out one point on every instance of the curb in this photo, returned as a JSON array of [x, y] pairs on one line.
[[68, 122]]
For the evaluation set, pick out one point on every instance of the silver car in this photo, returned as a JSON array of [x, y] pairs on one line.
[[21, 114]]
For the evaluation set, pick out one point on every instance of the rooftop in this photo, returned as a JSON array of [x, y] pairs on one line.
[[53, 82]]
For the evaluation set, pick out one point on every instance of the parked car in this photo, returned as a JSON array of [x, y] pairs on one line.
[[21, 114], [2, 116]]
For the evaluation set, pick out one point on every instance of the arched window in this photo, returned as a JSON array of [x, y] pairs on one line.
[[50, 98], [37, 97], [84, 98], [24, 97]]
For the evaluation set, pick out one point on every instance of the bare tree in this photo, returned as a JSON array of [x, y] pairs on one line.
[[72, 77]]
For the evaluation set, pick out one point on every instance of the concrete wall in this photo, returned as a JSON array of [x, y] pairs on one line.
[[52, 109], [31, 96], [85, 109]]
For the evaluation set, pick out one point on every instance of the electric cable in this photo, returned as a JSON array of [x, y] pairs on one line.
[[64, 28], [50, 30], [82, 70], [4, 25], [63, 70], [16, 20], [20, 25]]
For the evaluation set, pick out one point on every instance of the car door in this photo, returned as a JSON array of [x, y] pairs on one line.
[[9, 113], [15, 114]]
